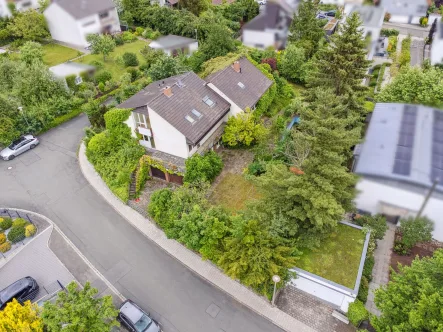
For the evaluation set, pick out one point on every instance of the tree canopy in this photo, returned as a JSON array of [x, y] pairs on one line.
[[80, 310], [18, 317], [413, 299], [101, 44], [29, 25]]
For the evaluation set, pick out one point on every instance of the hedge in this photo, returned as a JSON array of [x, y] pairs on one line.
[[389, 32], [357, 313], [142, 175], [20, 222], [5, 223]]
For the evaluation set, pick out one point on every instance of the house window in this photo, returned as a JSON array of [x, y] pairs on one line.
[[190, 147], [190, 119], [78, 80], [241, 85], [208, 101], [103, 15], [141, 121], [196, 113]]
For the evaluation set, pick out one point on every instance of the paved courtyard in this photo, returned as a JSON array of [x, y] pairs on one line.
[[311, 311]]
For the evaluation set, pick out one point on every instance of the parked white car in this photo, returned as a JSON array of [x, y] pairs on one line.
[[23, 144]]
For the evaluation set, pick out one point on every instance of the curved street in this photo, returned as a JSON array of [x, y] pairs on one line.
[[48, 180]]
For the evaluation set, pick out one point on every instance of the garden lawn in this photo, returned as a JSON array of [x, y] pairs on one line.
[[110, 65], [233, 191], [338, 257], [55, 54]]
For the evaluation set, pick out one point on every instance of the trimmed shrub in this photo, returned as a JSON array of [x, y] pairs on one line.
[[389, 32], [5, 223], [2, 238], [139, 31], [16, 234], [415, 230], [102, 76], [101, 86], [30, 230], [367, 268], [130, 59], [20, 222], [423, 21], [118, 39], [203, 168], [357, 313], [128, 37], [5, 247], [134, 73]]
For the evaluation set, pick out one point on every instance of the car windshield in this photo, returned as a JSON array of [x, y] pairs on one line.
[[14, 144], [143, 323]]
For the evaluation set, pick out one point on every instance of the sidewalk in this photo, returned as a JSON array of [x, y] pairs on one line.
[[380, 272], [204, 269]]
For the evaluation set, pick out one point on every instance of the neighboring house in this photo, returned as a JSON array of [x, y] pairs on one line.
[[400, 162], [71, 21], [168, 3], [340, 2], [241, 84], [20, 5], [173, 45], [372, 18], [270, 28], [182, 115], [67, 69], [437, 45], [405, 11]]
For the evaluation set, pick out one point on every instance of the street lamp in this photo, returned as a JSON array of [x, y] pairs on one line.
[[20, 108], [276, 279]]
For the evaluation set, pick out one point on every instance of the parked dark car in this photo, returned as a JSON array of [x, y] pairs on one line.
[[133, 318], [330, 13], [21, 290]]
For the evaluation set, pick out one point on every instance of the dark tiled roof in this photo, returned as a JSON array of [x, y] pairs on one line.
[[255, 83], [188, 91], [83, 8]]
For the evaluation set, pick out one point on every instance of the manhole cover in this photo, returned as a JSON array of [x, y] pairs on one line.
[[213, 310]]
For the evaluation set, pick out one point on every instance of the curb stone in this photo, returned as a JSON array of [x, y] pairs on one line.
[[188, 258]]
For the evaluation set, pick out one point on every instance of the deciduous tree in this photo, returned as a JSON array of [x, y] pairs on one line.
[[243, 130], [80, 310], [219, 42], [103, 44], [18, 317], [194, 6], [292, 65], [29, 25], [413, 299], [31, 52]]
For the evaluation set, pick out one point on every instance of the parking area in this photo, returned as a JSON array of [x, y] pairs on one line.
[[38, 261]]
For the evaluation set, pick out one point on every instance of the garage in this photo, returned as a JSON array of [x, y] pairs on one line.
[[157, 173], [174, 178]]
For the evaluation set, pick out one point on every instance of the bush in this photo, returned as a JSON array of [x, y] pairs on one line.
[[368, 266], [20, 222], [357, 313], [377, 224], [30, 230], [2, 238], [272, 62], [5, 223], [256, 168], [101, 86], [102, 76], [423, 21], [242, 130], [5, 247], [363, 291], [389, 32], [415, 230], [134, 73], [128, 37], [70, 82], [203, 168], [16, 234], [130, 59], [139, 31], [97, 64], [118, 38]]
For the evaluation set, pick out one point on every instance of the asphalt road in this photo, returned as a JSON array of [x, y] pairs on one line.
[[408, 29], [48, 180]]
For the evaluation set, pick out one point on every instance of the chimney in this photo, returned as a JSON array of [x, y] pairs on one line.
[[167, 91], [237, 67]]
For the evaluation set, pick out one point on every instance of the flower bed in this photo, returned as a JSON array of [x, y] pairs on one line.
[[13, 232]]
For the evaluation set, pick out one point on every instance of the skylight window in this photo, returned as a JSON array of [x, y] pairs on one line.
[[196, 113], [190, 119], [241, 85], [208, 101]]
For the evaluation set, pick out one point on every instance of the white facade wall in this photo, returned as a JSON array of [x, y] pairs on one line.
[[62, 26], [374, 195], [437, 46], [234, 108], [258, 39], [166, 137], [208, 135], [404, 19], [19, 6], [93, 25]]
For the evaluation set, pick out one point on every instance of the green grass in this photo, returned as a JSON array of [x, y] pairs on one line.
[[338, 257], [110, 65], [54, 54], [233, 191]]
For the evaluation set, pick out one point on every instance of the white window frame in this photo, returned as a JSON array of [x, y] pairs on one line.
[[138, 117], [78, 80]]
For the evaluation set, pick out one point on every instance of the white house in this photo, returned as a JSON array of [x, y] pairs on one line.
[[20, 5], [437, 45], [173, 45], [401, 162], [372, 18], [66, 69], [184, 114], [71, 21], [269, 28]]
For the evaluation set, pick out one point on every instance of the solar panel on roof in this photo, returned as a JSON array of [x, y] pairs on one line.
[[405, 140], [437, 147], [402, 167], [408, 129], [403, 154]]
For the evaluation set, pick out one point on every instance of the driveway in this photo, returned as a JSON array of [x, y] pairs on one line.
[[48, 180]]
